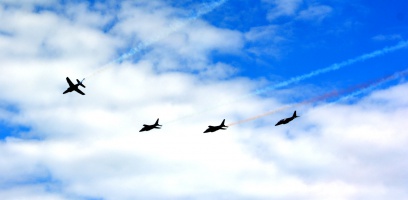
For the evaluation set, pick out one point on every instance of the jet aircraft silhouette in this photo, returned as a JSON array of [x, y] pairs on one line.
[[216, 128], [150, 127], [73, 87], [287, 120]]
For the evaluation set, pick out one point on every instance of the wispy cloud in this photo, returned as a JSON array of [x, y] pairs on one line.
[[316, 13], [266, 40], [392, 37], [297, 9], [283, 8]]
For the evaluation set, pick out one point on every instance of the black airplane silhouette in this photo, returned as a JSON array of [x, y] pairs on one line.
[[73, 87], [216, 128], [150, 127], [287, 120]]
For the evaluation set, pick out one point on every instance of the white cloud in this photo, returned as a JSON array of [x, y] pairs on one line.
[[182, 44], [283, 8], [382, 37], [90, 146], [192, 46], [353, 147], [298, 10], [34, 192], [28, 4], [316, 13], [266, 40], [264, 33]]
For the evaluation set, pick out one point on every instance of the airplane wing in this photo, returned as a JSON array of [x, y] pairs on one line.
[[70, 82], [79, 91]]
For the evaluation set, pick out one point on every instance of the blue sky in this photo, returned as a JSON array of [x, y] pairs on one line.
[[193, 70], [352, 29]]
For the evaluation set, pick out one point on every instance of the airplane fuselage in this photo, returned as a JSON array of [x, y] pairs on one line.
[[284, 121], [75, 87], [149, 127], [287, 120], [213, 129], [216, 128], [72, 88]]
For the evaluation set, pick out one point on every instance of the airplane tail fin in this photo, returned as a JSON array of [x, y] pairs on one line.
[[80, 83], [223, 123], [294, 114], [157, 122]]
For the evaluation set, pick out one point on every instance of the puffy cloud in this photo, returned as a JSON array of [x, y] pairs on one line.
[[356, 147], [181, 44]]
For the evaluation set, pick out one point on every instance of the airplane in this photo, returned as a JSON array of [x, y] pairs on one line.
[[150, 127], [216, 128], [73, 87], [287, 120]]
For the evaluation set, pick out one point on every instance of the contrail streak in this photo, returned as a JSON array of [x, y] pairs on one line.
[[296, 79], [372, 86], [320, 98], [363, 88], [333, 67], [204, 9]]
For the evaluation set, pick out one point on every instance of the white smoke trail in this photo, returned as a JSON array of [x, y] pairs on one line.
[[203, 9], [372, 87], [333, 67], [365, 88], [296, 79]]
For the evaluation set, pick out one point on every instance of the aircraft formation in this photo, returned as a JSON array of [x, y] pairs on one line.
[[156, 125]]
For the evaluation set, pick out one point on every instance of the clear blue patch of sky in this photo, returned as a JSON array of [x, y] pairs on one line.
[[7, 129], [348, 32]]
